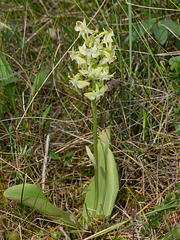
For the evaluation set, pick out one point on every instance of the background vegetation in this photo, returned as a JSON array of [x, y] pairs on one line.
[[141, 104]]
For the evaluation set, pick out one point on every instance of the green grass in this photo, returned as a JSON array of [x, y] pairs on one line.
[[139, 106]]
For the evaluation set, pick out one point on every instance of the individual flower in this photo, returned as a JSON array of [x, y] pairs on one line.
[[77, 81], [83, 29], [105, 75], [93, 73], [89, 52], [96, 94], [108, 56], [78, 57], [72, 54], [108, 36], [101, 73], [98, 43]]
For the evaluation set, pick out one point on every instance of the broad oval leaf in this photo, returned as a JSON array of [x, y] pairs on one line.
[[32, 196], [108, 178]]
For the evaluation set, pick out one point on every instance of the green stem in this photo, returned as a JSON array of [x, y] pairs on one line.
[[94, 110]]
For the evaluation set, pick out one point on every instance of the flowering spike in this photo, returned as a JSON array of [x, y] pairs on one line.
[[93, 58]]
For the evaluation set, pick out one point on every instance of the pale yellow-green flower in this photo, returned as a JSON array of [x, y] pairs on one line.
[[83, 29], [96, 94], [93, 59], [77, 81]]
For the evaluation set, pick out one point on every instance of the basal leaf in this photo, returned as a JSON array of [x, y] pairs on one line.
[[31, 196], [108, 181], [89, 208]]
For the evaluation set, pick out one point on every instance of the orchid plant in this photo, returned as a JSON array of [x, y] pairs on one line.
[[93, 59]]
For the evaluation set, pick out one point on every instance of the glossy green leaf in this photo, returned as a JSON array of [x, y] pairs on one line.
[[31, 196], [108, 180], [89, 208]]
